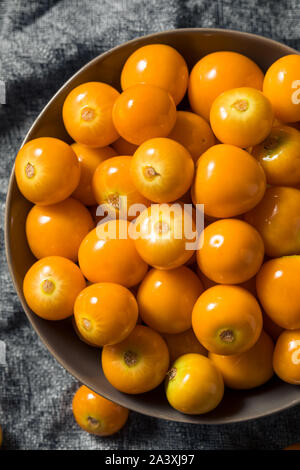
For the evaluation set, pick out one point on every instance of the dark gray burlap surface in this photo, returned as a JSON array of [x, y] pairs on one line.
[[42, 43]]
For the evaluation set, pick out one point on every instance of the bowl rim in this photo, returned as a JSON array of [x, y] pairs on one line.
[[8, 202]]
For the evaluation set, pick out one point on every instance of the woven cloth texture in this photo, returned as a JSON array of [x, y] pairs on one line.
[[42, 43]]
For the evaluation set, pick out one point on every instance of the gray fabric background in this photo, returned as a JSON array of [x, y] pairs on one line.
[[42, 43]]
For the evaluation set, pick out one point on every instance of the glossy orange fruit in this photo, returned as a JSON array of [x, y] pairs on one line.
[[105, 313], [193, 132], [58, 229], [279, 155], [241, 117], [107, 254], [282, 87], [228, 181], [194, 385], [51, 286], [47, 170], [183, 343], [87, 114], [122, 147], [143, 112], [164, 235], [230, 251], [249, 369], [217, 72], [159, 65], [114, 189], [276, 217], [137, 364], [89, 158], [166, 299], [162, 170], [227, 319], [271, 327], [286, 358], [277, 288], [96, 414]]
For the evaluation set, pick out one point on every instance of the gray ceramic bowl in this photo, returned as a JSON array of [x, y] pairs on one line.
[[82, 361]]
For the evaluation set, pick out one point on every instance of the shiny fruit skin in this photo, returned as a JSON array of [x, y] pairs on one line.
[[194, 385], [51, 286], [105, 313], [183, 343], [276, 218], [166, 299], [286, 357], [105, 258], [249, 369], [58, 229], [159, 65], [96, 414], [47, 170], [193, 132], [89, 158], [227, 319], [122, 147], [217, 72], [112, 181], [277, 285], [87, 114], [279, 155], [241, 117], [139, 363], [143, 112], [162, 170], [230, 251], [282, 87], [160, 238], [228, 181]]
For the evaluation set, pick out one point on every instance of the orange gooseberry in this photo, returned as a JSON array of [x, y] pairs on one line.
[[89, 158], [271, 327], [193, 132], [278, 292], [162, 170], [249, 369], [58, 229], [105, 313], [47, 170], [228, 181], [166, 299], [227, 319], [139, 363], [241, 117], [286, 357], [143, 112], [183, 343], [122, 147], [114, 189], [217, 72], [107, 254], [276, 217], [230, 251], [282, 87], [51, 286], [194, 385], [164, 235], [279, 156], [157, 64], [87, 114], [96, 414]]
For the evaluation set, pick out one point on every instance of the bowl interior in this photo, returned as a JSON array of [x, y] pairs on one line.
[[78, 358]]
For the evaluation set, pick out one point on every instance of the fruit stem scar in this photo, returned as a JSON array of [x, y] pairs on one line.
[[130, 358], [241, 105], [161, 227], [113, 199], [29, 170], [87, 114], [172, 373], [48, 286], [150, 172], [86, 324], [271, 142], [227, 336], [93, 422]]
